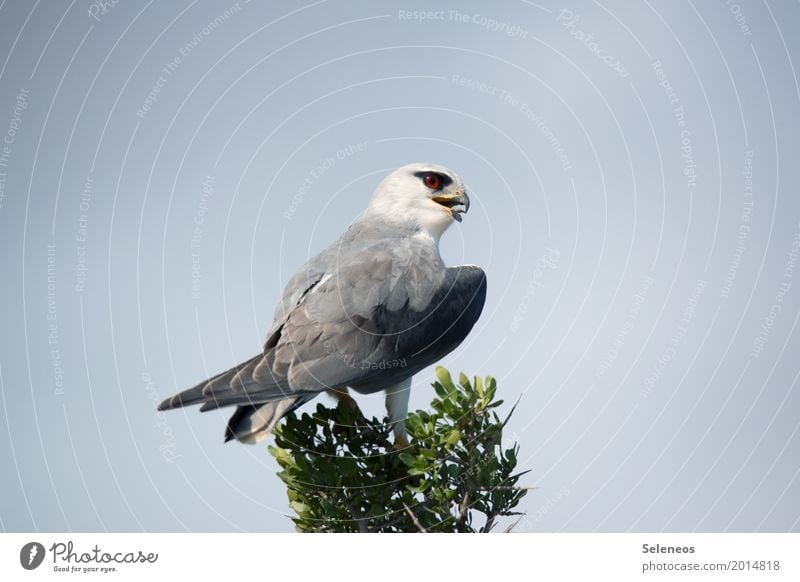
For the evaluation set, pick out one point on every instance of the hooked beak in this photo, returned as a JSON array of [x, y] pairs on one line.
[[458, 203]]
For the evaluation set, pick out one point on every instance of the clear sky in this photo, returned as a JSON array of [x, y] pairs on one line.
[[165, 167]]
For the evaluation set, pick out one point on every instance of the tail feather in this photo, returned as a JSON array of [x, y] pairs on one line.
[[229, 387], [252, 423], [215, 402], [192, 395], [262, 398]]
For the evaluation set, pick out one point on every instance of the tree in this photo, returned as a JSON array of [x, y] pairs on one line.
[[343, 475]]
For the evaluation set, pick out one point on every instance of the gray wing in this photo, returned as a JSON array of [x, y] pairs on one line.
[[356, 330], [387, 310], [416, 338], [348, 250], [255, 375]]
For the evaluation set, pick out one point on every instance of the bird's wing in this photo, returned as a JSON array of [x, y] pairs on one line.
[[347, 249], [255, 375], [333, 329], [301, 282], [427, 335], [377, 319], [374, 327]]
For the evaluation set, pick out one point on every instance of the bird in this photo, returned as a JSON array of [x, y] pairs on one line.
[[366, 314]]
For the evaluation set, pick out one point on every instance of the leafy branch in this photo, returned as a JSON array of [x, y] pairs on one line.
[[342, 473]]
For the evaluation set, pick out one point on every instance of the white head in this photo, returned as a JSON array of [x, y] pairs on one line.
[[424, 197]]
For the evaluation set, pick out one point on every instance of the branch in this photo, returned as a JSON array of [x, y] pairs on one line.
[[342, 473], [462, 513], [489, 523], [414, 518], [513, 525]]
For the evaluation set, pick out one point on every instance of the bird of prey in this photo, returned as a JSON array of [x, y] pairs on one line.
[[367, 313]]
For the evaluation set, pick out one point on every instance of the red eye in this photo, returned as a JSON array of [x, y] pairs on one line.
[[431, 181]]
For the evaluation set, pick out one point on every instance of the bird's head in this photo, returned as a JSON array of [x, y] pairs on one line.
[[425, 196]]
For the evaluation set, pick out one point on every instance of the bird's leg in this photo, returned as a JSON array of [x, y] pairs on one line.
[[400, 441], [350, 404], [397, 407], [345, 398]]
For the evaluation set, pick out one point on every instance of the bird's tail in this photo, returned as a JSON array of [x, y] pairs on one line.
[[262, 399], [252, 423], [249, 382]]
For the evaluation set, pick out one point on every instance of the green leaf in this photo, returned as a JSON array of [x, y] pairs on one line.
[[300, 508], [491, 387], [409, 460], [453, 437], [444, 377]]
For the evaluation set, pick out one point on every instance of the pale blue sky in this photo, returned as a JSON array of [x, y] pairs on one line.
[[633, 170]]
